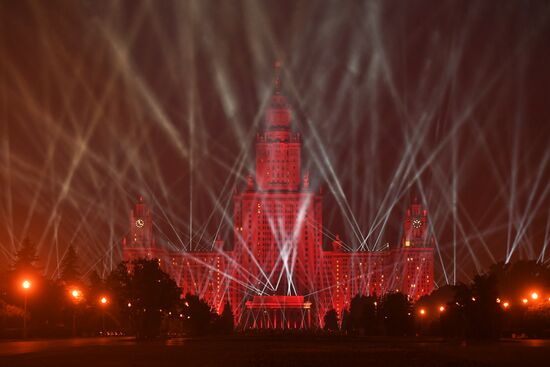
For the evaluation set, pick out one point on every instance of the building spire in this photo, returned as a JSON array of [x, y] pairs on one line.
[[278, 113], [277, 67]]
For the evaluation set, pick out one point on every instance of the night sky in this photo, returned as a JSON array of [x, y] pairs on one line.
[[103, 101]]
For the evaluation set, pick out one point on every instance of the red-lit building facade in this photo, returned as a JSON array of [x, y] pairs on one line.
[[276, 273]]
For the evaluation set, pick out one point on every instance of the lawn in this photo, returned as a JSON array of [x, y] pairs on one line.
[[272, 351]]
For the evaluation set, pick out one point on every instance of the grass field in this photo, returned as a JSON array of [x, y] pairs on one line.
[[272, 351]]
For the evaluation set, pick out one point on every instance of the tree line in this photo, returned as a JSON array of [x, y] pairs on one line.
[[140, 299], [509, 300], [134, 299]]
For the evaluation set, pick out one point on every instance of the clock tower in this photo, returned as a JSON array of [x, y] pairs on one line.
[[415, 275], [140, 242], [415, 231]]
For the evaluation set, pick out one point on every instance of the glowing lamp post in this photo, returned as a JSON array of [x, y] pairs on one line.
[[534, 296], [76, 295], [441, 308], [103, 301], [26, 285], [422, 321]]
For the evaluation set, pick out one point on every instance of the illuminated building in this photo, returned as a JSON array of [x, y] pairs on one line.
[[414, 260], [276, 272], [141, 240], [277, 221]]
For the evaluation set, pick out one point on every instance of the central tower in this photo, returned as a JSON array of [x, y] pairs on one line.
[[278, 150], [278, 217]]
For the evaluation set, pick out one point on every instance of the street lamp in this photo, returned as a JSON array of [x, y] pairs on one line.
[[441, 308], [26, 285], [534, 295], [76, 295], [422, 311], [103, 301]]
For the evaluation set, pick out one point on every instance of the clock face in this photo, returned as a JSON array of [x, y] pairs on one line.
[[139, 223], [417, 223]]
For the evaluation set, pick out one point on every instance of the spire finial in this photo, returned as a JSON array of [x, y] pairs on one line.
[[277, 66], [250, 183]]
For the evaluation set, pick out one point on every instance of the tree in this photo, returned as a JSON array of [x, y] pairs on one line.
[[517, 280], [370, 315], [474, 312], [492, 304], [69, 266], [331, 320], [26, 259], [44, 297], [483, 313], [346, 324], [198, 315], [226, 320], [437, 322], [363, 314], [149, 291], [96, 284], [119, 283], [7, 310], [397, 314], [356, 313]]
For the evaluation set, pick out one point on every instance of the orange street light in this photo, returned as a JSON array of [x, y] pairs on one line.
[[26, 285], [76, 294], [534, 295], [103, 300], [506, 305], [441, 308], [525, 300], [422, 311], [77, 297]]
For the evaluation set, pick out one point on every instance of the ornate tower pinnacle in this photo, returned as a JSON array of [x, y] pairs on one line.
[[278, 114], [277, 148], [277, 66]]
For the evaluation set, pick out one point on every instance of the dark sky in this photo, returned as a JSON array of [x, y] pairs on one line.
[[101, 101]]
